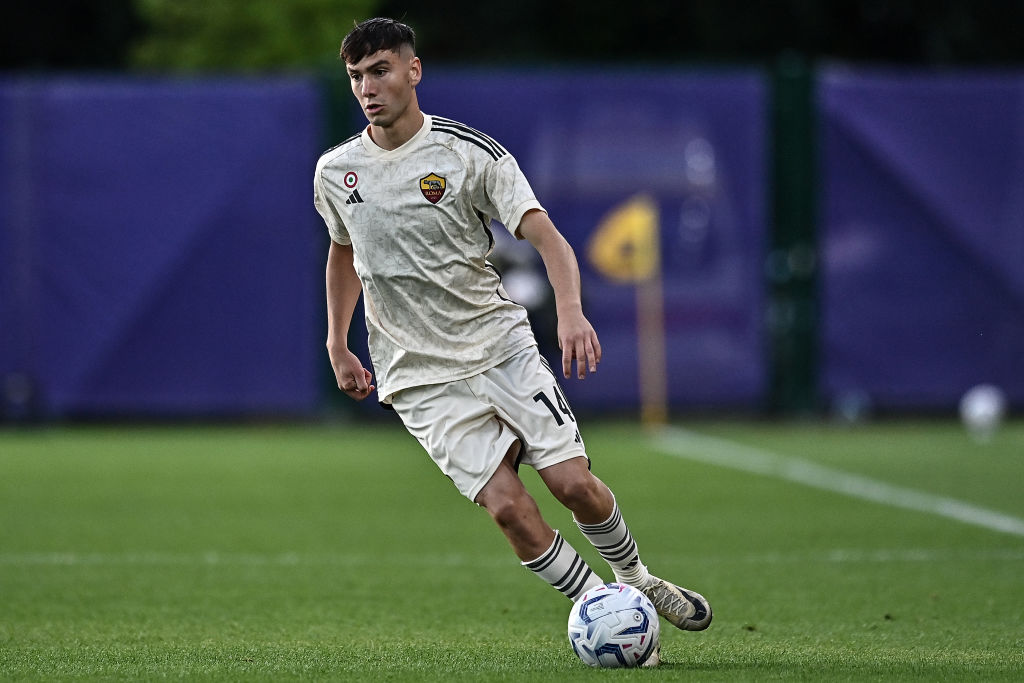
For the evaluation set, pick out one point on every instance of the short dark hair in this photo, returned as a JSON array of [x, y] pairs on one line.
[[374, 35]]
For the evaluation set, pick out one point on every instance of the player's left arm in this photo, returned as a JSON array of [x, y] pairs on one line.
[[576, 336]]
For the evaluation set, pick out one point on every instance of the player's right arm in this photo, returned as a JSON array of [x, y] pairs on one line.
[[343, 290]]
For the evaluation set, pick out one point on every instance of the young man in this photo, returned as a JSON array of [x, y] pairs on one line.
[[408, 204]]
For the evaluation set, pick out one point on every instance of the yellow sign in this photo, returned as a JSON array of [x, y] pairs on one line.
[[625, 246]]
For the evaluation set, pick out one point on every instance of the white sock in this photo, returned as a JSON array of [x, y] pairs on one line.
[[562, 567], [612, 539]]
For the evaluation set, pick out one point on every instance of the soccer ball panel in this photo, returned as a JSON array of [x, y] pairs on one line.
[[613, 626]]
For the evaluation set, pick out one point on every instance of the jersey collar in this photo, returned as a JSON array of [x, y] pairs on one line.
[[373, 149]]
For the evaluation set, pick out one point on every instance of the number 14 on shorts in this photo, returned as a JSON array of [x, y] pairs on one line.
[[563, 407]]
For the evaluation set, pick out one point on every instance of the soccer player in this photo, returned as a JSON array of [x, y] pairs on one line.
[[408, 203]]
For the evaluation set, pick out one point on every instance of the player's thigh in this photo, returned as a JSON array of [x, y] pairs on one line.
[[526, 395], [462, 434]]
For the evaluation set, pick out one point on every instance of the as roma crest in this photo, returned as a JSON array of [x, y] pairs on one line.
[[433, 187]]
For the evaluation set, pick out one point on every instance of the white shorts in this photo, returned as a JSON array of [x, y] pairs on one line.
[[467, 426]]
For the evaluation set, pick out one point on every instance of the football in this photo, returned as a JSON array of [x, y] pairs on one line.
[[614, 626], [982, 409]]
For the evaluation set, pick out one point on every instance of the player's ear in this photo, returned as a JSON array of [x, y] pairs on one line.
[[415, 71]]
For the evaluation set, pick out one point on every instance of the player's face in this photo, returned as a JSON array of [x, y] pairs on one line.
[[384, 84]]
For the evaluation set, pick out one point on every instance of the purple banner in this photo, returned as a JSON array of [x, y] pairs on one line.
[[160, 252], [922, 235]]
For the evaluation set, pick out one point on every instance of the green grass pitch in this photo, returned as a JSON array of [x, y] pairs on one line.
[[338, 552]]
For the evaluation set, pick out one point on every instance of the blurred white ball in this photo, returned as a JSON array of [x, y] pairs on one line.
[[982, 409]]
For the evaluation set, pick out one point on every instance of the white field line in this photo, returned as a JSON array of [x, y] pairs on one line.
[[232, 559], [229, 560], [689, 445]]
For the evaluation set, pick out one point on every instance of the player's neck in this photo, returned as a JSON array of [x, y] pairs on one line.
[[399, 132]]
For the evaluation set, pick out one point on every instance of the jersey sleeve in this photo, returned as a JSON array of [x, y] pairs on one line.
[[322, 202], [509, 192]]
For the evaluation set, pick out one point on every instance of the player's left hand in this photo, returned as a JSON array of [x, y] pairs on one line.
[[578, 340]]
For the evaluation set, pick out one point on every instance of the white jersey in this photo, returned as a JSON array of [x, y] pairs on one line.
[[418, 220]]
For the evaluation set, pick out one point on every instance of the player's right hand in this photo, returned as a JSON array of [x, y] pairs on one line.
[[352, 377]]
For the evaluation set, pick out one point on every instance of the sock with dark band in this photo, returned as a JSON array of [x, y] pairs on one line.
[[563, 568]]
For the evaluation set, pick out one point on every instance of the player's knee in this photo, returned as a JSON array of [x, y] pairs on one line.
[[581, 492], [511, 510]]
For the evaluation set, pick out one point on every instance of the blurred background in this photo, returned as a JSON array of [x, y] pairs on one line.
[[830, 197]]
